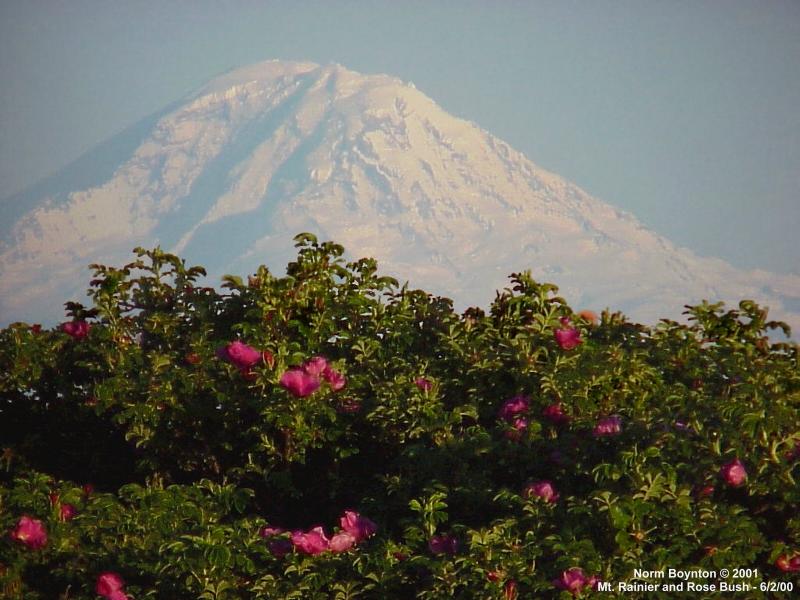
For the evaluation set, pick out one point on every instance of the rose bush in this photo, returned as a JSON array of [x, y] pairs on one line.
[[330, 434]]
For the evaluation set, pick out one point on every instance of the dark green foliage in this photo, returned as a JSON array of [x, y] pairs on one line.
[[190, 457]]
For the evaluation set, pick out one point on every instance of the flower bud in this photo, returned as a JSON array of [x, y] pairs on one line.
[[733, 473]]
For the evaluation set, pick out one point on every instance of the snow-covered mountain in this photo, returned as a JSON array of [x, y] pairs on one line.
[[229, 176]]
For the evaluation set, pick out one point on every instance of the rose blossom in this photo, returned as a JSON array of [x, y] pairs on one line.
[[424, 384], [358, 526], [319, 368], [705, 491], [342, 542], [574, 580], [567, 337], [443, 544], [108, 583], [268, 531], [589, 316], [77, 330], [555, 414], [67, 512], [299, 383], [30, 532], [541, 489], [242, 356], [608, 426], [510, 590], [511, 408], [278, 547], [311, 542], [733, 473], [335, 379], [192, 358], [315, 366], [518, 426], [787, 564]]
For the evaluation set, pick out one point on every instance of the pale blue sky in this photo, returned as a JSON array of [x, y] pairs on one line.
[[684, 113]]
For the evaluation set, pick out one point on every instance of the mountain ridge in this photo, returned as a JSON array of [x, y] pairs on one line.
[[228, 175]]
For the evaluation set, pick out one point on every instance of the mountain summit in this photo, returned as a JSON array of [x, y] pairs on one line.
[[228, 177]]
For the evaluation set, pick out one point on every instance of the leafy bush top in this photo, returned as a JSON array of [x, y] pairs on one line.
[[329, 434]]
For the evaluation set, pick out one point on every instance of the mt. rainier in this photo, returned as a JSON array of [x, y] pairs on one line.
[[228, 177]]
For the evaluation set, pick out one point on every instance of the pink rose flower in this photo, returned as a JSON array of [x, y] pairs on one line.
[[555, 414], [315, 366], [794, 453], [574, 580], [608, 426], [541, 489], [342, 542], [240, 355], [30, 532], [788, 564], [278, 547], [733, 473], [67, 512], [424, 384], [567, 338], [443, 544], [299, 383], [192, 358], [358, 526], [518, 427], [108, 583], [513, 407], [335, 379], [705, 491], [77, 330], [268, 531], [311, 542], [592, 582], [510, 590]]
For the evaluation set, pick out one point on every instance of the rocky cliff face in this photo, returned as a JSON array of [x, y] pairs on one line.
[[228, 177]]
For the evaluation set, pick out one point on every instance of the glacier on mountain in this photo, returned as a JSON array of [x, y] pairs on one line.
[[227, 177]]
